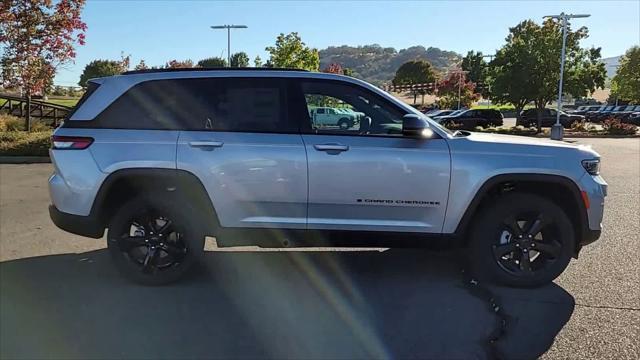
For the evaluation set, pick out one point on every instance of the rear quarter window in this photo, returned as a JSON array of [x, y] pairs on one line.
[[207, 104]]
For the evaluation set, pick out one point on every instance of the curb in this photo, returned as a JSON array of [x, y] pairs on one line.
[[24, 159]]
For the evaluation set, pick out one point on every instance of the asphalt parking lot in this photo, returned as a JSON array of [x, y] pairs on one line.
[[61, 298]]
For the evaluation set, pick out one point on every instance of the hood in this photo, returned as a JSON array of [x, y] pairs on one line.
[[526, 144]]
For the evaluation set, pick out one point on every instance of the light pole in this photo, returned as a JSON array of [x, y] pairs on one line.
[[557, 131], [487, 83], [229, 27]]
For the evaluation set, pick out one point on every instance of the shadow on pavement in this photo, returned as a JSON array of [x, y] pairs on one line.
[[400, 304]]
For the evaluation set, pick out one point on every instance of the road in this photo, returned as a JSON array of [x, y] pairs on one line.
[[61, 298]]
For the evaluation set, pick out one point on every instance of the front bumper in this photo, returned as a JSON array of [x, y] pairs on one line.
[[87, 226]]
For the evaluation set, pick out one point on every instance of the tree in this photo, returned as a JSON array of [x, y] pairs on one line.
[[531, 56], [415, 72], [102, 68], [212, 62], [257, 62], [291, 52], [37, 37], [141, 65], [334, 68], [454, 83], [176, 64], [240, 59], [475, 66], [626, 82], [347, 71]]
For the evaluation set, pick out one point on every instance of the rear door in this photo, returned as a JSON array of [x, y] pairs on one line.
[[370, 177], [246, 151]]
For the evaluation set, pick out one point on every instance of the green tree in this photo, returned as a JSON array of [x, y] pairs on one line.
[[257, 62], [240, 59], [475, 66], [212, 62], [527, 68], [291, 52], [626, 82], [102, 68], [415, 72]]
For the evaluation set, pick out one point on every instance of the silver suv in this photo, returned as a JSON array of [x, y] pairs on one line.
[[163, 159]]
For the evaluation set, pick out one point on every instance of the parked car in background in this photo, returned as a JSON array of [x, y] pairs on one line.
[[596, 116], [328, 116], [581, 110], [624, 112], [436, 112], [529, 118], [633, 118], [469, 119], [446, 113]]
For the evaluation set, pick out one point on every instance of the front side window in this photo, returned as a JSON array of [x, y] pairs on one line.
[[350, 110], [215, 104]]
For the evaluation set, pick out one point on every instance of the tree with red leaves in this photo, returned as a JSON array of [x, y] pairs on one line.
[[334, 68], [454, 83], [37, 37], [176, 64]]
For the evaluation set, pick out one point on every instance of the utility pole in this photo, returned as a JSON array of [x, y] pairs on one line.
[[229, 27], [557, 131], [487, 83]]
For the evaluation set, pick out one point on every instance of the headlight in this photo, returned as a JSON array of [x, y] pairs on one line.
[[592, 166]]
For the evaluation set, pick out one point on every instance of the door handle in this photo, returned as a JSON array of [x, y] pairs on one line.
[[331, 147], [206, 144]]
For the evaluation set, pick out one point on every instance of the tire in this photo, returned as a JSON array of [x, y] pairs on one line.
[[155, 241], [345, 123], [496, 252]]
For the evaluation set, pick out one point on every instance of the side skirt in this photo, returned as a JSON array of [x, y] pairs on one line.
[[282, 238]]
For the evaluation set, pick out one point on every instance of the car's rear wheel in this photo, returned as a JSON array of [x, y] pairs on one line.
[[155, 241], [520, 240]]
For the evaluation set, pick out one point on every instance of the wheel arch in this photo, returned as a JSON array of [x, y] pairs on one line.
[[563, 191], [125, 183]]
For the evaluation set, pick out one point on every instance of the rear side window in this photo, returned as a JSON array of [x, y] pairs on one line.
[[214, 104], [91, 88]]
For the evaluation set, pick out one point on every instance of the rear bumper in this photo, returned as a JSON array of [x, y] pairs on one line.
[[87, 226]]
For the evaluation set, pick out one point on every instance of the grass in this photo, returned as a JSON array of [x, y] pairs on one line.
[[22, 143], [70, 102]]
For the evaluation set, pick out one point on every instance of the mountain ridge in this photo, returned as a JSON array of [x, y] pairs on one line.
[[378, 65]]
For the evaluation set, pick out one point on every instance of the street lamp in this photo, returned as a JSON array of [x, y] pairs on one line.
[[557, 131], [487, 83], [229, 27]]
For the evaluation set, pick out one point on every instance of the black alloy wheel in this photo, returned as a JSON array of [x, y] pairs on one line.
[[521, 240], [155, 240]]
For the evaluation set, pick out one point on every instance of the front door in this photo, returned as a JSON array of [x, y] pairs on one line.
[[370, 177]]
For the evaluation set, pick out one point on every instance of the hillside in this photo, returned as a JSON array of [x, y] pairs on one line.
[[611, 64], [377, 64]]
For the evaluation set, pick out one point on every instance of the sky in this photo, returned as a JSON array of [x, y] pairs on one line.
[[159, 31]]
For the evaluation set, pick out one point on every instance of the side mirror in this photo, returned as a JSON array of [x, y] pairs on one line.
[[414, 126]]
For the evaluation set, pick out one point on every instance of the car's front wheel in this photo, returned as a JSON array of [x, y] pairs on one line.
[[345, 123], [154, 241], [520, 240]]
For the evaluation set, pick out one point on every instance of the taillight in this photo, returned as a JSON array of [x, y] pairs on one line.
[[70, 142]]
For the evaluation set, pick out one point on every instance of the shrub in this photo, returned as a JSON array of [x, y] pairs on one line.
[[22, 143], [615, 127], [13, 123]]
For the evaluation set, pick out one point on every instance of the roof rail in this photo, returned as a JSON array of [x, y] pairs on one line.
[[149, 71]]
